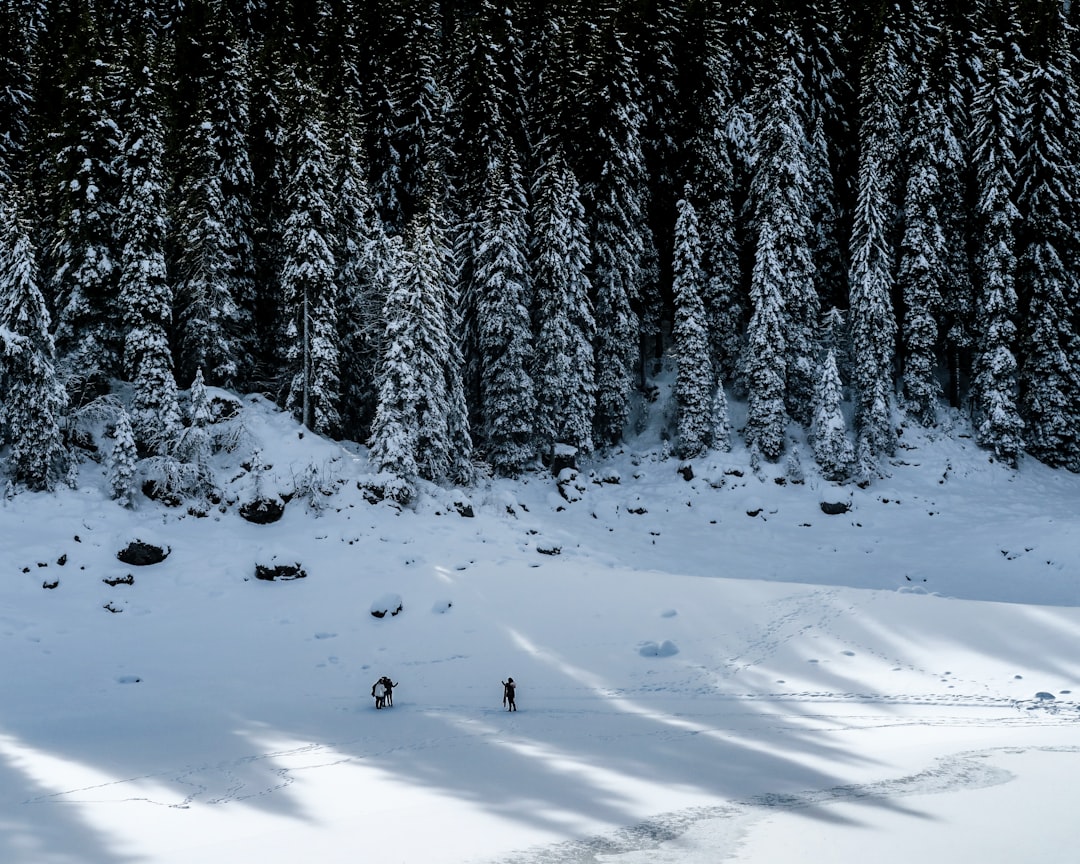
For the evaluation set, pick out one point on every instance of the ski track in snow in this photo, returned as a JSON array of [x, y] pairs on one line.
[[965, 771]]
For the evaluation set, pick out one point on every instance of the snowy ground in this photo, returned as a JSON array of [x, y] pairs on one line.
[[696, 684]]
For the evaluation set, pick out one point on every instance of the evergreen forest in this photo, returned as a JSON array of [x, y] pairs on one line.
[[468, 234]]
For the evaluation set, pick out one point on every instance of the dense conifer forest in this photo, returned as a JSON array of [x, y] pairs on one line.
[[469, 233]]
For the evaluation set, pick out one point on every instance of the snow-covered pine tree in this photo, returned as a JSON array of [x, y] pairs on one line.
[[145, 295], [360, 253], [188, 471], [503, 297], [308, 274], [1047, 275], [420, 427], [83, 248], [782, 201], [563, 366], [955, 68], [395, 429], [227, 100], [994, 118], [655, 40], [269, 168], [19, 24], [766, 419], [208, 317], [720, 435], [34, 402], [922, 268], [827, 92], [123, 461], [421, 104], [872, 322], [711, 168], [833, 451], [615, 192], [694, 388]]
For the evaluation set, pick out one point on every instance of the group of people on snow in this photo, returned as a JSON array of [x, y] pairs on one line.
[[383, 693]]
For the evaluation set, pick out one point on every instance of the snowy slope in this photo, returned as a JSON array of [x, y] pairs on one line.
[[695, 683]]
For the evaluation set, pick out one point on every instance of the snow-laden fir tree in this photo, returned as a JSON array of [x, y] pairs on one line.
[[145, 295], [188, 470], [308, 274], [123, 461], [224, 88], [997, 416], [615, 192], [32, 400], [360, 256], [766, 419], [1047, 260], [19, 24], [826, 91], [208, 317], [563, 360], [84, 248], [833, 451], [421, 104], [720, 434], [420, 427], [410, 347], [488, 92], [871, 318], [711, 168], [922, 267], [955, 68], [782, 201], [503, 297], [694, 389]]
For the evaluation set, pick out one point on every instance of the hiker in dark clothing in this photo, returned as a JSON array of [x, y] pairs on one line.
[[508, 694], [389, 685]]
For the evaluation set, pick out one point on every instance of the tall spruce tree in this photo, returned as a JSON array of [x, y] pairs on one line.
[[1047, 260], [563, 371], [872, 321], [503, 297], [20, 24], [694, 382], [420, 427], [782, 201], [710, 164], [616, 194], [83, 250], [832, 449], [208, 317], [145, 295], [360, 255], [766, 418], [995, 113], [308, 275], [32, 401], [923, 253]]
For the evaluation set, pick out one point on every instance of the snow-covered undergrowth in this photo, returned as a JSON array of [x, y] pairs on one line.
[[697, 659]]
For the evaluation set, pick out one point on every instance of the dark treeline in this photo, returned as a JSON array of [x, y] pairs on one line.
[[470, 231]]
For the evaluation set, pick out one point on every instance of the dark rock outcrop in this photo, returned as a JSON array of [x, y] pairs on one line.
[[139, 554]]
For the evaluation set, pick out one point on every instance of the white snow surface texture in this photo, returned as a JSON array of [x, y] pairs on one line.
[[895, 683]]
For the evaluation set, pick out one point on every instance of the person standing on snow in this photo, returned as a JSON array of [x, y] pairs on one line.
[[378, 690], [508, 694]]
